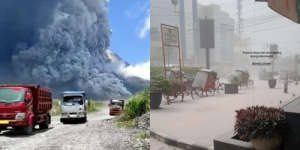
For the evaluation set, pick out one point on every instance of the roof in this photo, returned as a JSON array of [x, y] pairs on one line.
[[114, 100], [206, 70], [176, 70], [26, 86], [73, 93], [241, 70]]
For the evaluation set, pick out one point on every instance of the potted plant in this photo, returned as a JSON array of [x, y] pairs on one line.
[[233, 86], [264, 126], [159, 85], [272, 81]]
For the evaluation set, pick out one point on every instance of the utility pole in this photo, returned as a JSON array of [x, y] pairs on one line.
[[182, 30], [207, 53]]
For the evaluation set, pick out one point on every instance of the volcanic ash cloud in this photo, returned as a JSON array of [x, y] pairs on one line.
[[71, 50]]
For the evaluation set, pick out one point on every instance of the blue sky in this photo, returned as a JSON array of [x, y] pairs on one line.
[[130, 22]]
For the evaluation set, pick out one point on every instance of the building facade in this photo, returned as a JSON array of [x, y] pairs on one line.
[[224, 34], [163, 11]]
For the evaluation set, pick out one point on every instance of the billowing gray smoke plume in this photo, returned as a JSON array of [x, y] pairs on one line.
[[58, 43]]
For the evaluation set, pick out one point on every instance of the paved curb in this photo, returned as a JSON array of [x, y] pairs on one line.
[[176, 142]]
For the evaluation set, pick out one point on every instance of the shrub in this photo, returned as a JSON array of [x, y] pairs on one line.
[[233, 79], [56, 108], [143, 135], [272, 74], [159, 70], [259, 122], [126, 124], [138, 105], [160, 83], [95, 106]]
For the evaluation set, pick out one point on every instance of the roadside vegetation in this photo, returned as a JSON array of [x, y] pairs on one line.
[[136, 117], [92, 107], [159, 70], [143, 135], [138, 105]]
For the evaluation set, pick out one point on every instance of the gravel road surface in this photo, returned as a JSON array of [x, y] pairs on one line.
[[96, 134]]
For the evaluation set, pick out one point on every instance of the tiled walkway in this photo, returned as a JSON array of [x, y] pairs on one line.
[[204, 119]]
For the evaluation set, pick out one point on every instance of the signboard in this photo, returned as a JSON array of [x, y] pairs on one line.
[[287, 8], [274, 50], [170, 36], [207, 33]]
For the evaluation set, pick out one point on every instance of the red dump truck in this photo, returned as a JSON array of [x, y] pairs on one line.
[[116, 106], [24, 106]]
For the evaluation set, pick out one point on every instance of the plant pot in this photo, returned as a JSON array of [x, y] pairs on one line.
[[231, 88], [155, 99], [272, 83], [267, 144]]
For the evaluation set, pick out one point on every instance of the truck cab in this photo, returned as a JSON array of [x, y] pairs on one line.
[[24, 106], [73, 106]]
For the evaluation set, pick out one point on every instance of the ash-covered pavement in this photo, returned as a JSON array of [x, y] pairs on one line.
[[204, 119]]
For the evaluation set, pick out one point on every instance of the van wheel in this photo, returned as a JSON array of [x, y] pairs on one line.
[[45, 123], [28, 129]]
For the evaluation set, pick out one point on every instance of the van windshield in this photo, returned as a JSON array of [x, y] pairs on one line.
[[73, 100], [10, 95]]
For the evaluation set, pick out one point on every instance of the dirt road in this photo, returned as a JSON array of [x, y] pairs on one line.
[[96, 134]]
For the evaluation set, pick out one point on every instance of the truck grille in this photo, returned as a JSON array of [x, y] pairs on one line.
[[7, 116], [73, 113]]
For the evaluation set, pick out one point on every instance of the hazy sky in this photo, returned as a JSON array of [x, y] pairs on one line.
[[130, 23], [275, 29]]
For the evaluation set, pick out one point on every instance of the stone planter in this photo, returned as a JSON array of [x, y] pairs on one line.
[[155, 99], [292, 116], [267, 144], [272, 83], [231, 88]]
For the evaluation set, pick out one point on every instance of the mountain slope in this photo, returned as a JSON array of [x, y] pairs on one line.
[[132, 83]]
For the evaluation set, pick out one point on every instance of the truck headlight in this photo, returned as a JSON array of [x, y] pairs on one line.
[[20, 116], [81, 113]]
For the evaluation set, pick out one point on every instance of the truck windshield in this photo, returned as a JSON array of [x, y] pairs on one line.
[[116, 103], [9, 95], [73, 100]]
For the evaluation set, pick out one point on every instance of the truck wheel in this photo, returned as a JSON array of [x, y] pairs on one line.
[[63, 121], [45, 123], [28, 129], [84, 120], [17, 128]]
